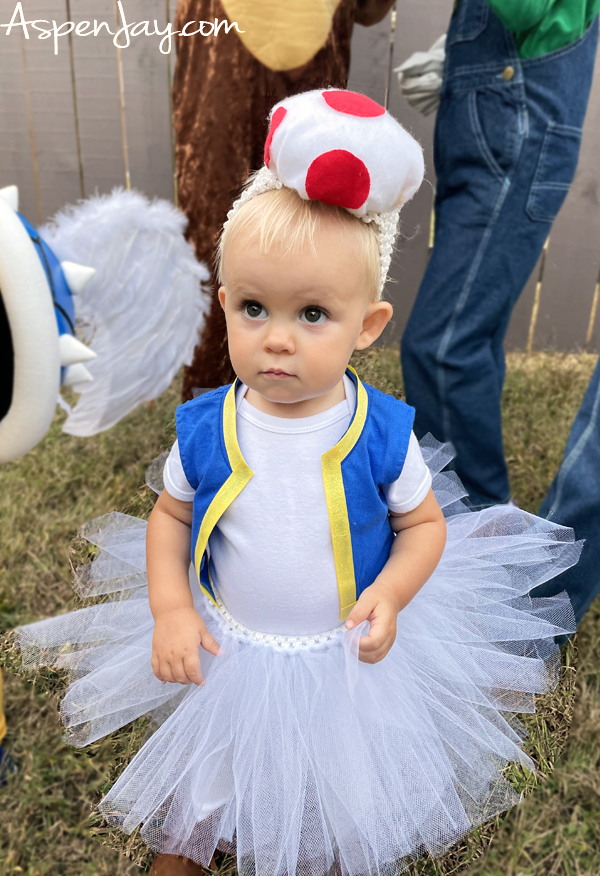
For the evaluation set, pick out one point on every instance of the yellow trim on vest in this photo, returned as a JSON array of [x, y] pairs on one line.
[[233, 486], [335, 495]]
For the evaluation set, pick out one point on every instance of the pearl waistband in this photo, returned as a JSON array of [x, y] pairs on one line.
[[241, 633]]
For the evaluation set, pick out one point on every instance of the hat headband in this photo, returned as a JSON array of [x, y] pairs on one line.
[[343, 149]]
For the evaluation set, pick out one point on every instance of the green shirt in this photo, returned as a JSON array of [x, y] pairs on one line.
[[542, 26]]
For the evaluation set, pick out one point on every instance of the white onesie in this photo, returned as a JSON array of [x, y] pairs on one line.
[[272, 548]]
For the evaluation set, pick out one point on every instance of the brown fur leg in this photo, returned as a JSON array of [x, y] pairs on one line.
[[222, 96], [177, 865]]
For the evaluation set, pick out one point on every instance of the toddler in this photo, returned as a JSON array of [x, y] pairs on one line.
[[334, 676]]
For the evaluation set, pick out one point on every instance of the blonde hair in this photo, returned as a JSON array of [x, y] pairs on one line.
[[281, 218]]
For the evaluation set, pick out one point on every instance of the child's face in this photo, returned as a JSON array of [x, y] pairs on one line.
[[293, 320]]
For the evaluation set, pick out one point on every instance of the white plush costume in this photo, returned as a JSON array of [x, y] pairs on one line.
[[113, 271]]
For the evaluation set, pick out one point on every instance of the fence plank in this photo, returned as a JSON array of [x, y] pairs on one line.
[[50, 84], [97, 83], [147, 105], [16, 166]]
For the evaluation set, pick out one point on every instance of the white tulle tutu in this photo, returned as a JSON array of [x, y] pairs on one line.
[[296, 754]]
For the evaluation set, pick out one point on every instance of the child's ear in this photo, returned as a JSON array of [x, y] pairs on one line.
[[221, 294], [377, 317]]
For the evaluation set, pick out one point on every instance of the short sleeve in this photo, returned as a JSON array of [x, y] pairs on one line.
[[407, 493], [176, 483]]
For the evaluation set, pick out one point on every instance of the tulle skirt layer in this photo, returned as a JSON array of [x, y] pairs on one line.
[[296, 754]]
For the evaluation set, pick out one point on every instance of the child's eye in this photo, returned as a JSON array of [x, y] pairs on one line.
[[313, 315], [255, 310]]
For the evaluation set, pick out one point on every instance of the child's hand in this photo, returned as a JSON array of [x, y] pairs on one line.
[[380, 608], [178, 634], [416, 551]]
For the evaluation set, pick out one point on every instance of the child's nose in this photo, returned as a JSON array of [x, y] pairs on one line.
[[280, 339]]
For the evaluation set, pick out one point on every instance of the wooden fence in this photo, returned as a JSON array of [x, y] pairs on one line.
[[92, 116]]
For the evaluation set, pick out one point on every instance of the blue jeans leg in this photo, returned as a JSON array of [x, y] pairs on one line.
[[485, 249], [505, 154], [574, 500]]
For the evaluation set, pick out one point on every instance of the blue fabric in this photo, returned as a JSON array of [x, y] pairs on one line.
[[7, 766], [204, 458], [64, 307], [376, 459], [574, 500], [505, 154]]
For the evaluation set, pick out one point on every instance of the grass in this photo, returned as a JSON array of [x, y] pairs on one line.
[[45, 811]]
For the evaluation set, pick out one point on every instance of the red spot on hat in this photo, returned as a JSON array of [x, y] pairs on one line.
[[353, 104], [338, 177], [276, 119]]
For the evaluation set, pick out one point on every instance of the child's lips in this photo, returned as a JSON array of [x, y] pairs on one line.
[[276, 374]]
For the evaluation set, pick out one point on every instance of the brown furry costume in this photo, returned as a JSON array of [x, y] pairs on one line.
[[222, 95]]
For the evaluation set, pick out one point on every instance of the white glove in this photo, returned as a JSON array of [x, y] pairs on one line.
[[420, 77]]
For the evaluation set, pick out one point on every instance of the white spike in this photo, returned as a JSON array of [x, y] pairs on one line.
[[77, 276], [77, 374], [72, 351], [10, 194]]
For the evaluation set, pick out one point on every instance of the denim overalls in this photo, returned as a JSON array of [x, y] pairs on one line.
[[506, 146]]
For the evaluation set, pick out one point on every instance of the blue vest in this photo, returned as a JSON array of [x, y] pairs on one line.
[[369, 455]]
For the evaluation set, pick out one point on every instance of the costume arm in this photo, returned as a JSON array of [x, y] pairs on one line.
[[417, 549], [168, 555], [370, 12], [179, 631], [520, 15]]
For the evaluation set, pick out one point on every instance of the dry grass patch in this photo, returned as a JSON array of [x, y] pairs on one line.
[[44, 813]]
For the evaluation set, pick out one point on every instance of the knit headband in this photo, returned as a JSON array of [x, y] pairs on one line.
[[343, 149]]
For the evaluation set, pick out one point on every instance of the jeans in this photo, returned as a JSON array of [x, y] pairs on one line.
[[506, 147], [574, 500]]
